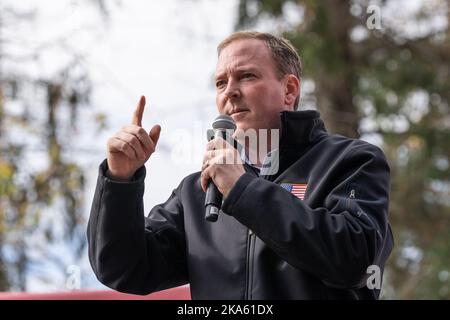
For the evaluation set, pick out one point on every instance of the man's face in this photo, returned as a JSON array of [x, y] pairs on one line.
[[248, 88]]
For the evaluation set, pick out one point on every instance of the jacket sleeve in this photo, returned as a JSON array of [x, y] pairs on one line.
[[127, 251], [336, 240]]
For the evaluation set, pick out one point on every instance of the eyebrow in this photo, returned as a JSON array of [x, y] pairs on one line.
[[238, 70]]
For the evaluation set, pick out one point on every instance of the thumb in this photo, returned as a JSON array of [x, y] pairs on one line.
[[154, 133]]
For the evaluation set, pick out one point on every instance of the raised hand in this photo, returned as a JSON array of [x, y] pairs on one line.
[[131, 147]]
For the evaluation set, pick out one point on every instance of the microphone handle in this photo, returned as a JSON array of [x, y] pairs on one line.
[[213, 202], [213, 197]]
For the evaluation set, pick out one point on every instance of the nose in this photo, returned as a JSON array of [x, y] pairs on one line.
[[232, 90]]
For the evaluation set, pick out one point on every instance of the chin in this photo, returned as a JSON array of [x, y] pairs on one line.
[[243, 126]]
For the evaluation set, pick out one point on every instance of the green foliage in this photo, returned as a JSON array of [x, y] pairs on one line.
[[41, 185], [27, 194]]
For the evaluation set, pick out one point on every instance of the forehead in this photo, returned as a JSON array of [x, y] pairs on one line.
[[244, 53]]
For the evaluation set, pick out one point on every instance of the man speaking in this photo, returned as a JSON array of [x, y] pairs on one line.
[[311, 229]]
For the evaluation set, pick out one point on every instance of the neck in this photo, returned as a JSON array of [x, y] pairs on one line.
[[257, 146]]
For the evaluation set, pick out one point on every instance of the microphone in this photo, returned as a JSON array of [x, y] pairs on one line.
[[222, 125]]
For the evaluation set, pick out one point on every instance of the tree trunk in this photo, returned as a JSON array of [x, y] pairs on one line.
[[336, 81]]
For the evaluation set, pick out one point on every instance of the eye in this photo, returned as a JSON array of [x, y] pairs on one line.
[[247, 75], [220, 84]]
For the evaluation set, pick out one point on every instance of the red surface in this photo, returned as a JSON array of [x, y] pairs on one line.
[[179, 293]]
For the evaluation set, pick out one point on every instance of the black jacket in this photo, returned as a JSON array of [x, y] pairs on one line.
[[267, 243]]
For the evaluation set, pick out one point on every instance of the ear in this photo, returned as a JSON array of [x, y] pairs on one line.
[[292, 90]]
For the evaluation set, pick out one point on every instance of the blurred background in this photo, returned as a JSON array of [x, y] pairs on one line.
[[72, 71]]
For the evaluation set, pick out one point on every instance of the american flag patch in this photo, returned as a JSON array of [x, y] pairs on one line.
[[297, 189]]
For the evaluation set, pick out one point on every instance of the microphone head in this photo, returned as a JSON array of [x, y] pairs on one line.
[[224, 121]]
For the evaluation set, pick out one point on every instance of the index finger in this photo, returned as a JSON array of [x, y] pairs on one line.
[[217, 143], [138, 112]]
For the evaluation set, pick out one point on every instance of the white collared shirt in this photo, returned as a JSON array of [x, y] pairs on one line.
[[269, 165]]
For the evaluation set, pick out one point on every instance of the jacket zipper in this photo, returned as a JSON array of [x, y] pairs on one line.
[[350, 198], [249, 271]]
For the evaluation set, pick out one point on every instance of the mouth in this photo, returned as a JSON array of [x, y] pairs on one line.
[[238, 112]]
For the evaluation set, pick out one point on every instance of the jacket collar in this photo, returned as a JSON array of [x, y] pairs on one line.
[[299, 129]]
